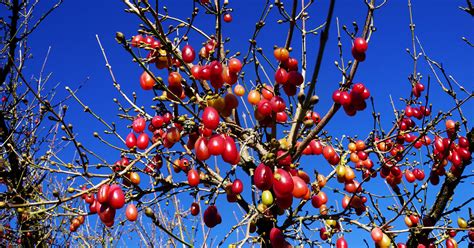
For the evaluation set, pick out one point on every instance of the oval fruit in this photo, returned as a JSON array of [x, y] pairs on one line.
[[216, 145], [231, 154], [341, 243], [263, 177], [134, 178], [131, 140], [376, 234], [282, 183], [142, 141], [300, 188], [276, 237], [201, 150], [188, 54], [139, 125], [103, 194], [237, 186], [210, 118], [193, 178], [318, 200], [194, 208], [146, 81], [131, 212], [267, 197], [360, 45], [106, 213], [116, 197], [212, 217]]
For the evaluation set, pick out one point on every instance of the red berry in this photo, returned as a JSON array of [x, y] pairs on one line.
[[193, 177], [227, 17], [234, 65], [237, 186], [188, 54], [216, 145], [137, 40], [210, 118], [142, 141], [194, 208], [281, 76], [360, 45], [131, 140], [139, 125]]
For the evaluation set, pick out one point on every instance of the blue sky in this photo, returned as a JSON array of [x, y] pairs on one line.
[[75, 58]]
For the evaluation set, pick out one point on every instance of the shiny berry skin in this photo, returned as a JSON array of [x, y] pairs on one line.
[[210, 118], [212, 217], [116, 197], [216, 145], [103, 193], [341, 243], [142, 141], [318, 200], [345, 98], [193, 177], [239, 90], [281, 76], [139, 125], [188, 54], [194, 209], [376, 234], [201, 149], [336, 96], [137, 40], [291, 64], [276, 237], [131, 212], [227, 17], [237, 186], [234, 65], [231, 154], [281, 117], [146, 81], [131, 140], [263, 177], [264, 107], [157, 121], [419, 174], [360, 45], [358, 56], [409, 176], [278, 104], [282, 183], [295, 78], [254, 97], [281, 54]]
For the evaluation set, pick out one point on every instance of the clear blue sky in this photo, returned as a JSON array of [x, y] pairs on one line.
[[75, 57]]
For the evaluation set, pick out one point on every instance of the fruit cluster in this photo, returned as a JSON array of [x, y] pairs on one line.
[[353, 101], [108, 199]]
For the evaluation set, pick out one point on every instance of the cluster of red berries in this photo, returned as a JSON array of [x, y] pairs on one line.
[[353, 101]]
